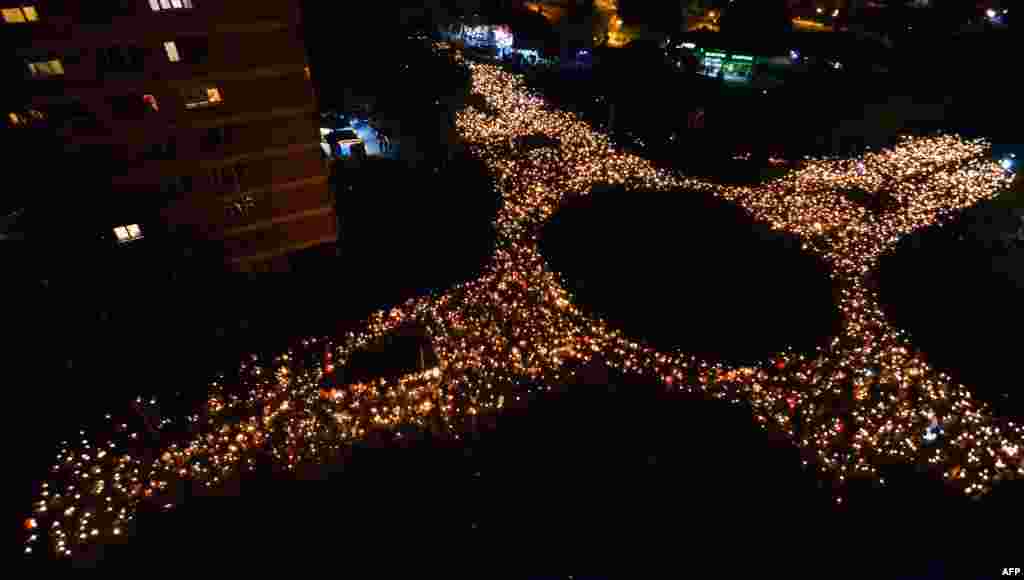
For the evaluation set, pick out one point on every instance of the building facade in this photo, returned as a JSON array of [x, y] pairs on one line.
[[203, 110]]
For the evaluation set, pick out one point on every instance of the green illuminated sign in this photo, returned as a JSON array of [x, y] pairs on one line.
[[715, 54], [742, 57]]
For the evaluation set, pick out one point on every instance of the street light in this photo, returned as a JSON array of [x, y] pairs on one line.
[[991, 13], [821, 10]]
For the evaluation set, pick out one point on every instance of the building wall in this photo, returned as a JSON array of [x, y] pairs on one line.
[[299, 232], [260, 142], [279, 187]]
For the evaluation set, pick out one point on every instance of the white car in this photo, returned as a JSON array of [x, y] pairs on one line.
[[344, 142], [348, 142]]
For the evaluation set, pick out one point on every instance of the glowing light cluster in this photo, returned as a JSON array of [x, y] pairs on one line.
[[865, 399]]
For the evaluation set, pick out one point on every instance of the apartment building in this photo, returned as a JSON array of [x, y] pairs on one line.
[[202, 109]]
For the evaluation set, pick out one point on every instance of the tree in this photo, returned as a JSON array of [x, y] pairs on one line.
[[580, 11], [757, 17], [665, 17]]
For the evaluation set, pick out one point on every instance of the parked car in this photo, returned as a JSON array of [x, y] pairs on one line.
[[346, 143]]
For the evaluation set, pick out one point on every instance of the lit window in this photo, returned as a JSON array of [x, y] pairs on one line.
[[202, 97], [46, 68], [26, 117], [13, 15], [128, 233], [172, 51], [160, 5], [22, 14]]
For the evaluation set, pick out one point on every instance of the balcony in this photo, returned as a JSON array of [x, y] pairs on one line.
[[247, 212]]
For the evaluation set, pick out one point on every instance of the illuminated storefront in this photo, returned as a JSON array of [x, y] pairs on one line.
[[731, 66], [496, 37]]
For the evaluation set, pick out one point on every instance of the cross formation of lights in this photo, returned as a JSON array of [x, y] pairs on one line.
[[865, 399]]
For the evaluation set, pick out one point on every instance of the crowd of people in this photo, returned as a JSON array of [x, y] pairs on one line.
[[865, 399], [383, 136]]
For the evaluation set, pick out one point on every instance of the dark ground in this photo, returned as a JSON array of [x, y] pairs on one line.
[[690, 272], [959, 308], [408, 231]]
